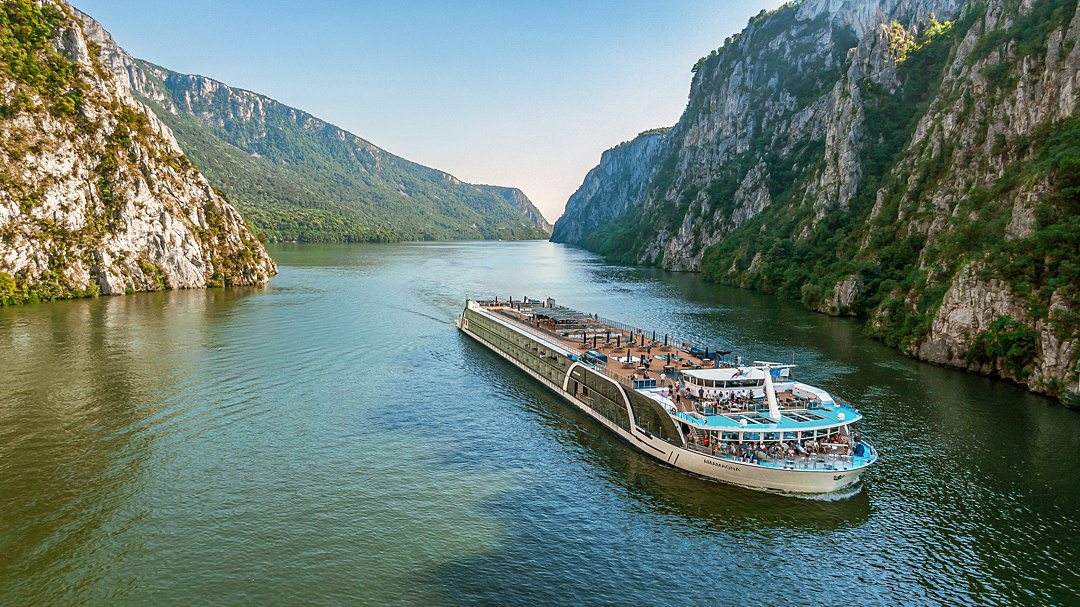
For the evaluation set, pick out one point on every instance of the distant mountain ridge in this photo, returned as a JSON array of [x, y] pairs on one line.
[[297, 177]]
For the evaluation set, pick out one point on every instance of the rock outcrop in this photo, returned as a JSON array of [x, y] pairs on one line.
[[521, 202], [913, 162], [613, 187], [297, 177], [97, 195]]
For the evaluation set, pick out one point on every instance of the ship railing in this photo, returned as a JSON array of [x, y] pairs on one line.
[[622, 379], [635, 331], [723, 407], [812, 461], [672, 340], [546, 334], [798, 462], [870, 446]]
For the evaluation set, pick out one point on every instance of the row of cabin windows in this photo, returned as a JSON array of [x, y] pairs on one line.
[[725, 383], [648, 418], [536, 357], [601, 395], [774, 437], [528, 358]]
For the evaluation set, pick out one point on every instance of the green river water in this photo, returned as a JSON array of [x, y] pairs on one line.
[[331, 439]]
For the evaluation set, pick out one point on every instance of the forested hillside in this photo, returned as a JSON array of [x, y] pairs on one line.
[[299, 178]]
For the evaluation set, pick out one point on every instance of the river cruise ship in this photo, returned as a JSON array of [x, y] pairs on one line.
[[705, 412]]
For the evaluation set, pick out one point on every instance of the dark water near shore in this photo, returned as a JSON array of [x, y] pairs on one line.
[[331, 439]]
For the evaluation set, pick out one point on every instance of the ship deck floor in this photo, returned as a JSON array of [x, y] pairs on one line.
[[612, 342]]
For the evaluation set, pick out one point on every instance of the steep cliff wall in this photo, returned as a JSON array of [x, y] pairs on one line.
[[296, 177], [612, 188], [915, 163], [97, 196]]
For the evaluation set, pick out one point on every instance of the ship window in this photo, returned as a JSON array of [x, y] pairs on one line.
[[652, 419]]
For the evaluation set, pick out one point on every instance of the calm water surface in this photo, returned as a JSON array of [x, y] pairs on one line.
[[331, 439]]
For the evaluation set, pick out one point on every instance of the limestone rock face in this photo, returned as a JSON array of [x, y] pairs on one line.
[[102, 199], [609, 190], [735, 98], [970, 306], [886, 158], [844, 294]]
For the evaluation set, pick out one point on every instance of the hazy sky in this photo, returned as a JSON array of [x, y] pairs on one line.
[[506, 92]]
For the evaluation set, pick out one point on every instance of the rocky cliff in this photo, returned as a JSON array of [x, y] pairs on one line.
[[521, 202], [912, 162], [97, 196], [296, 177], [612, 188]]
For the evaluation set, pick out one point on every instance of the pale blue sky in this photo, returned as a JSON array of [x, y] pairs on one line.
[[526, 94]]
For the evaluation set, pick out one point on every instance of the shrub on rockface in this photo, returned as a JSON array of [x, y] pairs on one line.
[[1008, 342], [9, 291]]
